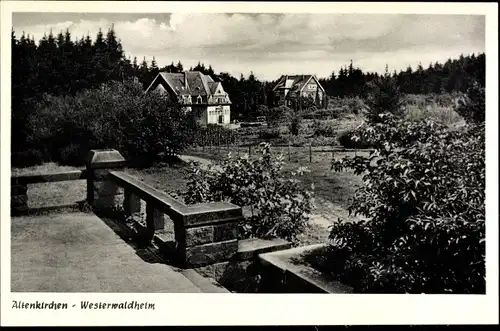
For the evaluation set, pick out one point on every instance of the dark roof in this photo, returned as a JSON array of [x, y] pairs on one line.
[[197, 83], [293, 82]]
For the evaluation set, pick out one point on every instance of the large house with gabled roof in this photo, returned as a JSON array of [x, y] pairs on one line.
[[199, 92], [292, 90]]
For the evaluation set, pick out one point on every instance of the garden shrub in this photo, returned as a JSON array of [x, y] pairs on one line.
[[270, 133], [117, 115], [471, 105], [323, 114], [354, 105], [324, 129], [72, 155], [424, 202], [214, 134], [27, 158], [353, 139], [295, 123], [324, 141], [298, 141], [279, 207], [277, 115]]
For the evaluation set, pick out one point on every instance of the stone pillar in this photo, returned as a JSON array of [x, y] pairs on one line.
[[155, 220], [103, 194], [210, 238], [131, 204], [18, 198]]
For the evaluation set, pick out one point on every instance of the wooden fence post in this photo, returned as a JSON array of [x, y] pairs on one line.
[[289, 157], [249, 150], [310, 153]]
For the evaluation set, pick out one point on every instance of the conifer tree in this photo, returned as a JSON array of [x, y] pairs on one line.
[[144, 73], [179, 67], [153, 70], [385, 97]]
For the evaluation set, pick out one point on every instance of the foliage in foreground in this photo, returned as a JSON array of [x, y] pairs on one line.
[[278, 206], [424, 198], [118, 115]]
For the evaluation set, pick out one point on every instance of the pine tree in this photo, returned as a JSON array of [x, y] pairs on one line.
[[153, 70], [99, 60], [385, 97], [179, 67], [144, 73], [114, 56], [210, 71], [135, 66]]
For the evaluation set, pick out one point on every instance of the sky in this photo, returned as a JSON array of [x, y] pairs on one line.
[[274, 44]]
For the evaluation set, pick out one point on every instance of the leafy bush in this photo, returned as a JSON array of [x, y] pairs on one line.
[[299, 140], [214, 134], [424, 202], [322, 114], [424, 199], [353, 139], [72, 155], [295, 123], [270, 133], [118, 115], [279, 207], [250, 124], [324, 129], [27, 158], [277, 115], [471, 105], [354, 105]]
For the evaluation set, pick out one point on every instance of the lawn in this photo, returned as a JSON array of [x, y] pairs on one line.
[[335, 187], [164, 177], [332, 190]]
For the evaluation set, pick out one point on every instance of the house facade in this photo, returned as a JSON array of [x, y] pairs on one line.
[[294, 91], [198, 92]]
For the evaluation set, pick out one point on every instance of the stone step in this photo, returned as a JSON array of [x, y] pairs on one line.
[[205, 284]]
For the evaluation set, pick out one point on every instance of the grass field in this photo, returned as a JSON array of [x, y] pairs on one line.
[[163, 177], [332, 190], [335, 187]]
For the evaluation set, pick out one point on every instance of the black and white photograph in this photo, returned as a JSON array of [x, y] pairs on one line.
[[246, 153]]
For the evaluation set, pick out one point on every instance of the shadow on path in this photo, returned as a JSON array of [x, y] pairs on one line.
[[130, 238]]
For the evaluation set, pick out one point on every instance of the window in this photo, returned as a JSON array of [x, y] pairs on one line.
[[198, 99]]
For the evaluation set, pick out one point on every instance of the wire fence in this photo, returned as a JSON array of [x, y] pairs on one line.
[[291, 153]]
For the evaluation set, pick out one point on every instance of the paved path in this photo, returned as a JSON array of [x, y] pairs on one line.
[[79, 252], [324, 212]]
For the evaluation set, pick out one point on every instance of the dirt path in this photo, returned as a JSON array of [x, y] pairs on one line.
[[324, 212]]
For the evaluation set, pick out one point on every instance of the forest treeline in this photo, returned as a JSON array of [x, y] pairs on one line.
[[62, 65]]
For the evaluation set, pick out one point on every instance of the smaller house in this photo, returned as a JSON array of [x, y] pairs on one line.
[[298, 91], [199, 92]]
